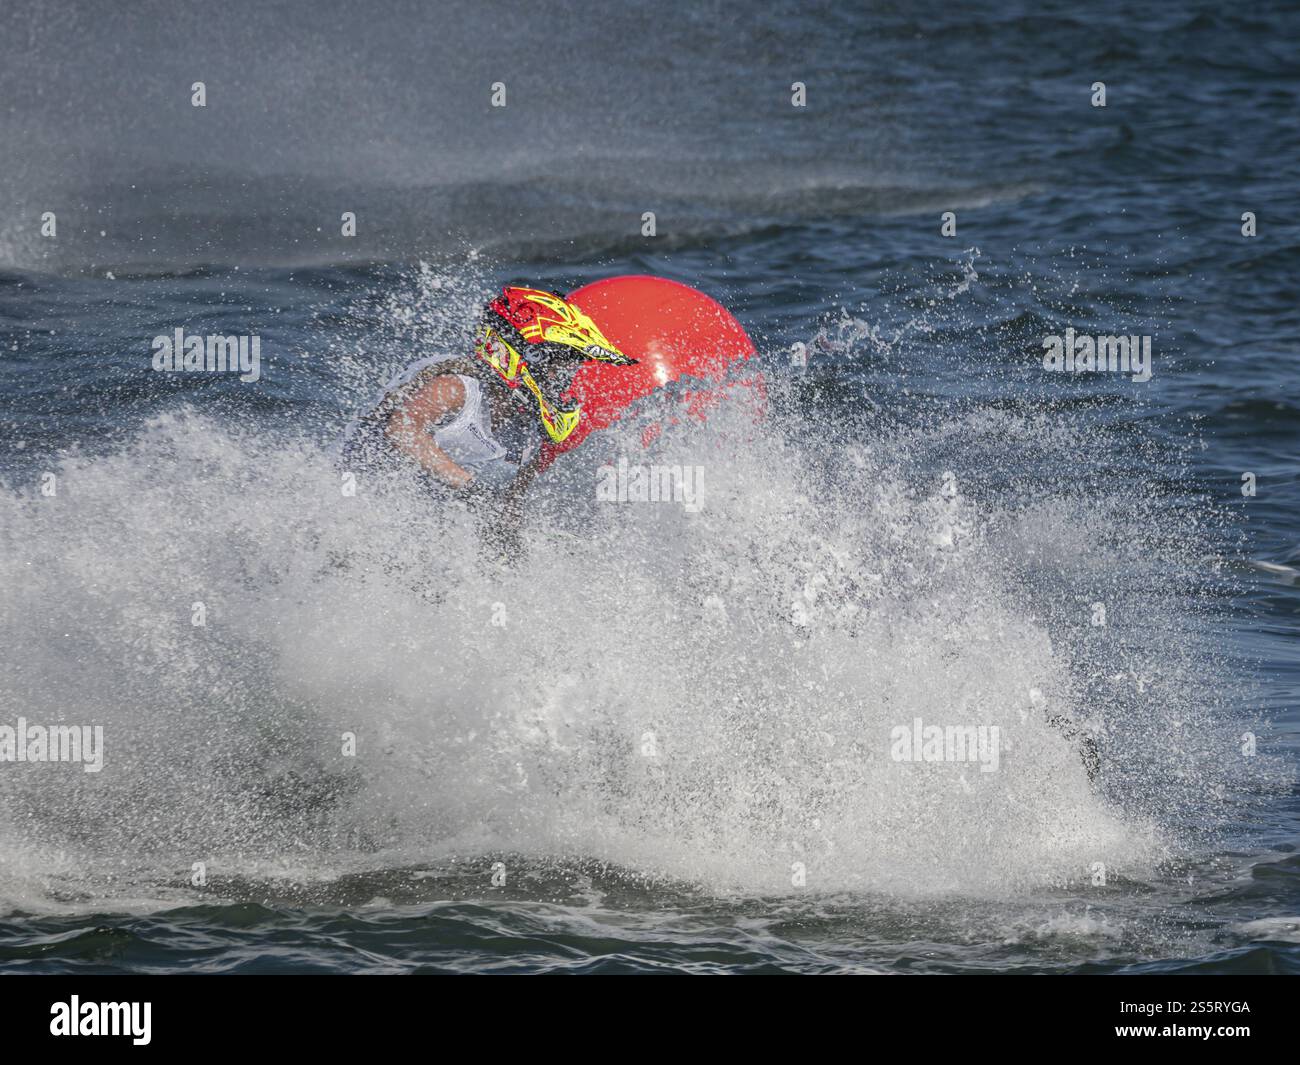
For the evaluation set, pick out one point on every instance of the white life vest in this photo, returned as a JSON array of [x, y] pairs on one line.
[[467, 437]]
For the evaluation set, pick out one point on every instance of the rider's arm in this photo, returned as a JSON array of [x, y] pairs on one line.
[[408, 428], [504, 520], [513, 503]]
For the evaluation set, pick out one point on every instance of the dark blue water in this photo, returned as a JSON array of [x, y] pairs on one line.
[[923, 526]]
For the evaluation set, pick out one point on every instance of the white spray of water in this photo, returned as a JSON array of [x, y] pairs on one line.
[[707, 695]]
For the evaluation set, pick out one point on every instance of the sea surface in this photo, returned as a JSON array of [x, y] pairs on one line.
[[339, 737]]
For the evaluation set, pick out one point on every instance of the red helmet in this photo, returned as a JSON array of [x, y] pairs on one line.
[[529, 325]]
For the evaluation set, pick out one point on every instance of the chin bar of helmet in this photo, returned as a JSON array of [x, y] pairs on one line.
[[558, 422]]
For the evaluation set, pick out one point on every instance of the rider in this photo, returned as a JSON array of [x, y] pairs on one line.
[[464, 423]]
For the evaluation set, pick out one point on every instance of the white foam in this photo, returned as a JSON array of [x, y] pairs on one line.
[[766, 645]]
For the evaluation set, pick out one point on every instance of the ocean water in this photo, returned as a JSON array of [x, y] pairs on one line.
[[661, 741]]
